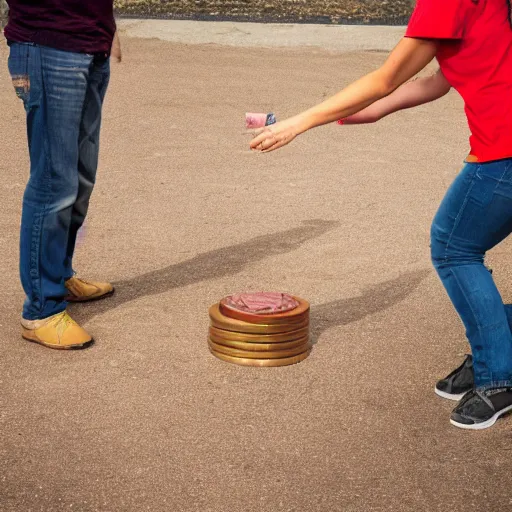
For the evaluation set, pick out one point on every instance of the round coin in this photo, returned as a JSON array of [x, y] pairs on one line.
[[296, 315], [220, 321], [260, 347], [251, 354], [285, 361], [259, 338]]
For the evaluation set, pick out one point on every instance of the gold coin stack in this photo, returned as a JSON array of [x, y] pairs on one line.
[[250, 339]]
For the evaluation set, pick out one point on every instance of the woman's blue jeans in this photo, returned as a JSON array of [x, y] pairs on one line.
[[474, 216]]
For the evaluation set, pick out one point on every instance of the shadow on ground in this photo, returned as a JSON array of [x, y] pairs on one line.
[[231, 260], [374, 299], [209, 265]]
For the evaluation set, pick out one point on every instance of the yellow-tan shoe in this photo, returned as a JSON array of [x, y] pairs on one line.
[[58, 331], [83, 291]]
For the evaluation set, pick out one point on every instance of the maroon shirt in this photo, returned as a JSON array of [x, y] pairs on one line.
[[82, 26]]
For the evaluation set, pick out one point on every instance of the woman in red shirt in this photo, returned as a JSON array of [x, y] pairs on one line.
[[472, 41]]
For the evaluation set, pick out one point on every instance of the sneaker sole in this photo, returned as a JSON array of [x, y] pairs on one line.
[[59, 347], [485, 424], [75, 300], [449, 396]]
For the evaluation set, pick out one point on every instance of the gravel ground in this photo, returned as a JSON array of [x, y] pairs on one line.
[[320, 11]]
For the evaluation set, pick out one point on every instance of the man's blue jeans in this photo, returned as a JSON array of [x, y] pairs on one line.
[[474, 216], [63, 94]]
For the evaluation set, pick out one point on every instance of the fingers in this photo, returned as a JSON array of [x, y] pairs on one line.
[[269, 142], [271, 138], [276, 145], [265, 142], [260, 138]]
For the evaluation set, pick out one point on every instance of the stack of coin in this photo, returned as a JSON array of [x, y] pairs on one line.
[[251, 339]]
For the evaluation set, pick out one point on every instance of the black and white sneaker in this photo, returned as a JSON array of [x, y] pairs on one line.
[[458, 383], [480, 409]]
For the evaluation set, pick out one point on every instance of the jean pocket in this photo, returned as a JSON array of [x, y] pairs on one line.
[[18, 64], [487, 183], [497, 170]]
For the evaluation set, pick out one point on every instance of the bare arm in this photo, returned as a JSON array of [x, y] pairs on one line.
[[408, 58], [116, 48], [419, 91]]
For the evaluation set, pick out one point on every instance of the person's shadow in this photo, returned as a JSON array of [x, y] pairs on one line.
[[373, 300], [206, 266], [231, 260]]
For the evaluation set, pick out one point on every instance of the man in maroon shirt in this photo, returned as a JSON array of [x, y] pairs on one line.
[[59, 63]]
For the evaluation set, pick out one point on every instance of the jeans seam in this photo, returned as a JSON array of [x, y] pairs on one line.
[[36, 233], [466, 299], [37, 237], [501, 178], [459, 215]]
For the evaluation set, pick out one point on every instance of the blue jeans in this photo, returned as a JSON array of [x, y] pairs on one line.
[[63, 95], [474, 216]]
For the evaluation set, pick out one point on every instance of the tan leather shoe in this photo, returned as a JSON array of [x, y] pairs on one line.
[[58, 331], [82, 291]]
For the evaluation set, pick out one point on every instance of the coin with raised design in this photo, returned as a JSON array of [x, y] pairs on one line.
[[228, 307]]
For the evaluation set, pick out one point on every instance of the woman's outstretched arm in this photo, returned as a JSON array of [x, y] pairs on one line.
[[408, 58]]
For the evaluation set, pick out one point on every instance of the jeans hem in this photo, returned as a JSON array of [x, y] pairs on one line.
[[495, 385], [43, 316]]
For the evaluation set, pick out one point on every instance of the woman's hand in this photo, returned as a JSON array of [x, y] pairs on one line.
[[277, 135]]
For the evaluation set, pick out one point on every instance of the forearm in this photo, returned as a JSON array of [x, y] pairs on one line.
[[350, 100], [116, 48], [408, 58], [418, 92]]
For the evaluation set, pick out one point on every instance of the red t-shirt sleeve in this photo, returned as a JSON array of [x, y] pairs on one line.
[[438, 19]]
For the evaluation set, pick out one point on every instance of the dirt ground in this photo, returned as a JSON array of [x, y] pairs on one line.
[[184, 214]]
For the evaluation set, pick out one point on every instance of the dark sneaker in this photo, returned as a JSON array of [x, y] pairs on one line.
[[458, 383], [480, 409]]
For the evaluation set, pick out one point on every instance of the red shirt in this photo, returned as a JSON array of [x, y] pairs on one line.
[[475, 56], [81, 26]]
